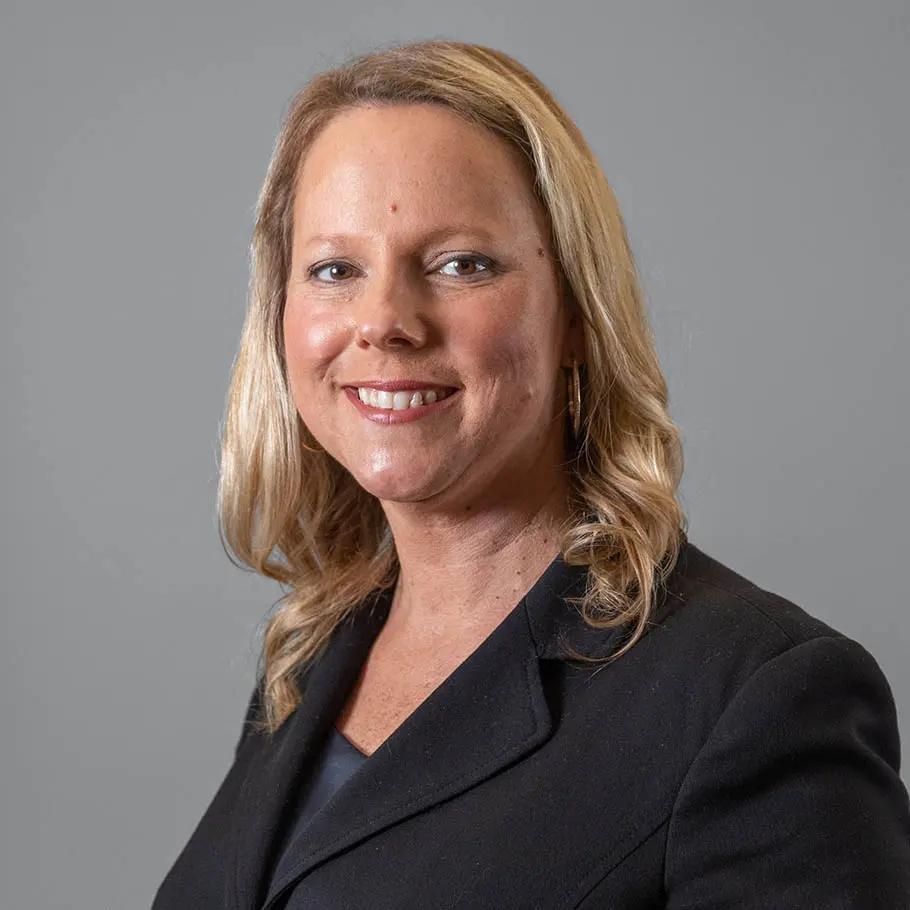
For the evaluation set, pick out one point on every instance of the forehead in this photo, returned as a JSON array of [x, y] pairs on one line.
[[417, 162]]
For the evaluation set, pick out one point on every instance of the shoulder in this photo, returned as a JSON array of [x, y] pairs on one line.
[[721, 649], [706, 592], [790, 727], [714, 615]]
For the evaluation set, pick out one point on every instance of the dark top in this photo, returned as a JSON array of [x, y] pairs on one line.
[[336, 763], [743, 754]]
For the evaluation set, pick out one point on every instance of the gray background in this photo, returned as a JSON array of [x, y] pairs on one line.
[[759, 152]]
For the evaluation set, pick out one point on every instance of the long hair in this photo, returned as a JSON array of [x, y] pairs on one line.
[[298, 516]]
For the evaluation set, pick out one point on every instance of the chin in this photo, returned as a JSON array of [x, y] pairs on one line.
[[397, 489], [408, 482]]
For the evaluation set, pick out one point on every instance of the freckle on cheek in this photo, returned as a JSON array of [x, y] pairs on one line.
[[540, 251]]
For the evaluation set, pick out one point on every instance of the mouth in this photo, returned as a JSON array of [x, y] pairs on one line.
[[399, 402]]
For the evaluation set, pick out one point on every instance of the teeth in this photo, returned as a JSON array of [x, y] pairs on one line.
[[399, 401]]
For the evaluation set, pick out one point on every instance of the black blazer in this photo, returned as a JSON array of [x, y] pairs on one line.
[[742, 755]]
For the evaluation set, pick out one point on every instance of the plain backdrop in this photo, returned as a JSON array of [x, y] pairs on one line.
[[760, 154]]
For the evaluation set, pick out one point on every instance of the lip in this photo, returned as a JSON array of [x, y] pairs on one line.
[[409, 415]]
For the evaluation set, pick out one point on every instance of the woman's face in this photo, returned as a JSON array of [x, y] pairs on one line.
[[421, 269]]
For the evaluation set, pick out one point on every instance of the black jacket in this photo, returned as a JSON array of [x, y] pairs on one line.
[[742, 755]]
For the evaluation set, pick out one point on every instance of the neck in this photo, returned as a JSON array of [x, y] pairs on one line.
[[464, 570]]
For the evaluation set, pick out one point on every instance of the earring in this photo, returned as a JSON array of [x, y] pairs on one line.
[[573, 393], [309, 449]]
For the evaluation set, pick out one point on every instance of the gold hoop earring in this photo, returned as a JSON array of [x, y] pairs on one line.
[[314, 451], [573, 393]]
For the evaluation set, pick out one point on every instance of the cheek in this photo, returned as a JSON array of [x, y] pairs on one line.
[[514, 352], [312, 341]]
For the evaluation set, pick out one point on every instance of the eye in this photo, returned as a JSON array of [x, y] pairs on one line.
[[331, 272], [467, 266]]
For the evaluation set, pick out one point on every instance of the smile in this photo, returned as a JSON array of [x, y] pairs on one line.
[[401, 401], [393, 406]]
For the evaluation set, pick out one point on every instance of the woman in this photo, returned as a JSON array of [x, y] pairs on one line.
[[502, 676]]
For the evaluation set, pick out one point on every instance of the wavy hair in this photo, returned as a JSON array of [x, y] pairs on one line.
[[298, 516]]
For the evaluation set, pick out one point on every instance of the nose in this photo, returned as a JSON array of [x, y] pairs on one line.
[[390, 315]]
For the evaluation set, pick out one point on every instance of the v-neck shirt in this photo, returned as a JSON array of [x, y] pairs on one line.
[[337, 761]]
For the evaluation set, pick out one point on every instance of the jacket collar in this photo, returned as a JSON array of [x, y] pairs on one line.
[[558, 627], [490, 712]]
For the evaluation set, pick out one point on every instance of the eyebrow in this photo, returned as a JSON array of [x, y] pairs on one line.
[[433, 236]]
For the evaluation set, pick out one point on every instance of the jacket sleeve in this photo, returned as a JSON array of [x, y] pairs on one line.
[[795, 800]]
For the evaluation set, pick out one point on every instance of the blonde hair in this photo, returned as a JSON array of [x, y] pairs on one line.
[[298, 516]]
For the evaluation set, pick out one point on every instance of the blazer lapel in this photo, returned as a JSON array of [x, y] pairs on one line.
[[490, 712], [269, 787]]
